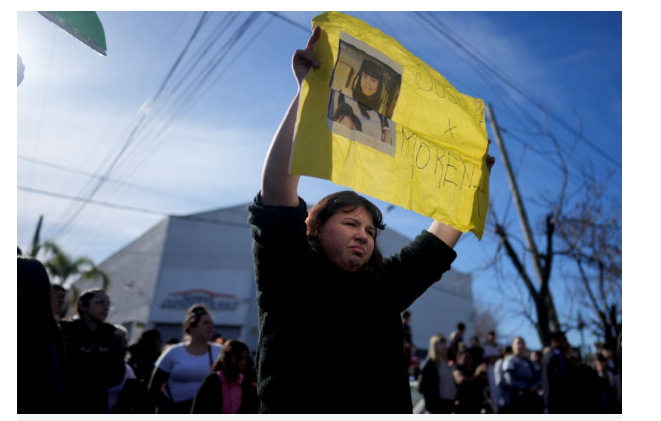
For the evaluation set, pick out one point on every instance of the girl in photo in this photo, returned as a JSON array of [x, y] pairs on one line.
[[367, 93]]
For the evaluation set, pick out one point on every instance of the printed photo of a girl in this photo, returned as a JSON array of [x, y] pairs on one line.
[[364, 91]]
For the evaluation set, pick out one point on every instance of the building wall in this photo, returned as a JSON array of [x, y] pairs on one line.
[[207, 258]]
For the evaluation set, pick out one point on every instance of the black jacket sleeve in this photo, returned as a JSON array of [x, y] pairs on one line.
[[429, 386], [409, 273], [209, 397]]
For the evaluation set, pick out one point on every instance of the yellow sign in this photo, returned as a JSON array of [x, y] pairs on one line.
[[377, 119]]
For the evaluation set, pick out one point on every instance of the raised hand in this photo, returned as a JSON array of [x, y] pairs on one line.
[[303, 59], [490, 160]]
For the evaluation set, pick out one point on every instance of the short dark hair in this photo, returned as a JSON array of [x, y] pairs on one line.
[[86, 297], [338, 202], [150, 336], [406, 314], [57, 287], [461, 326]]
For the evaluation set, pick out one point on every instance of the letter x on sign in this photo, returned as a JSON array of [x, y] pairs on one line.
[[450, 127]]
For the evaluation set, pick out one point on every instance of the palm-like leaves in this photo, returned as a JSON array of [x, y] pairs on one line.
[[64, 269]]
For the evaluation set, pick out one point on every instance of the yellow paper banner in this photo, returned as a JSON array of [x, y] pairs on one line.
[[377, 119]]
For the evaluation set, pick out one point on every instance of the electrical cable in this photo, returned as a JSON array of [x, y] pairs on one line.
[[128, 141], [499, 74]]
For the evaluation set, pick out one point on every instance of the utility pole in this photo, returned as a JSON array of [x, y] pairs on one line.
[[525, 225], [547, 317], [35, 239]]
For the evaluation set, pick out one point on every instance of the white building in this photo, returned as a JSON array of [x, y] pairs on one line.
[[207, 257]]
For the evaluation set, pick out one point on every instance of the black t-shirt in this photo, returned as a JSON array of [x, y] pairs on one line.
[[318, 323]]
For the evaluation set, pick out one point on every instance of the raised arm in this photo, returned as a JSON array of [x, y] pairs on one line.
[[446, 233], [279, 188]]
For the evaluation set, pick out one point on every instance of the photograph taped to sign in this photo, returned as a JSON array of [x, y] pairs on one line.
[[345, 119], [365, 85]]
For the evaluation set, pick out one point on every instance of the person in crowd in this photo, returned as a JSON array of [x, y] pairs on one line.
[[556, 376], [218, 338], [409, 349], [618, 364], [536, 358], [470, 384], [182, 368], [229, 389], [128, 383], [584, 385], [606, 387], [437, 383], [502, 396], [462, 346], [456, 336], [607, 351], [522, 380], [476, 351], [57, 300], [492, 352], [39, 345], [322, 271], [143, 354], [94, 356]]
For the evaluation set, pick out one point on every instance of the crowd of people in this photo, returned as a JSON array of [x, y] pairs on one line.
[[82, 364], [471, 379], [85, 365]]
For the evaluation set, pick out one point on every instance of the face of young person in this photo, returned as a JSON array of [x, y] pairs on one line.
[[442, 349], [98, 307], [204, 328], [347, 239], [57, 301], [519, 347], [369, 84], [235, 364]]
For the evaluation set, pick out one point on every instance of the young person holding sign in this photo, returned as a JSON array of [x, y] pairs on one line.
[[321, 280]]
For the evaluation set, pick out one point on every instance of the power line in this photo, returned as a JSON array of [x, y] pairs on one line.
[[130, 139], [88, 174], [198, 81], [291, 22], [440, 28], [186, 97], [133, 208]]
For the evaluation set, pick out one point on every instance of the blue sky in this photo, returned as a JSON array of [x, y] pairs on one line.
[[76, 108]]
